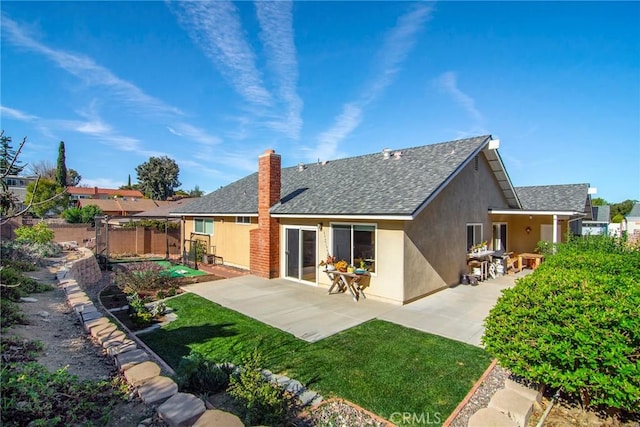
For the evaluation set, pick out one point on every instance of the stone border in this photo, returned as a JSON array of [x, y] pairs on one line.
[[470, 394], [175, 408], [358, 407]]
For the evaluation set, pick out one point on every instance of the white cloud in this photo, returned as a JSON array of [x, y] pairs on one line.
[[276, 22], [398, 42], [87, 70], [215, 27], [448, 82], [194, 133], [16, 114], [101, 182]]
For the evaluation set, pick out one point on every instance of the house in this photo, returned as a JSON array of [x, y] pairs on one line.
[[121, 207], [17, 184], [77, 193], [410, 216], [599, 225], [633, 222]]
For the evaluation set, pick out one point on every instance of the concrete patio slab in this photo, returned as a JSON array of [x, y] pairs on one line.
[[307, 312], [310, 313]]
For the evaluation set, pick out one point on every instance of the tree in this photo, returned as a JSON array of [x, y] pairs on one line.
[[84, 215], [622, 208], [47, 195], [73, 178], [43, 169], [599, 201], [9, 164], [158, 177], [61, 169], [196, 192]]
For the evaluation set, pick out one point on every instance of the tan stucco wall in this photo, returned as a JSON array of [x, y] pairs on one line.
[[386, 283], [518, 240], [435, 242], [230, 239]]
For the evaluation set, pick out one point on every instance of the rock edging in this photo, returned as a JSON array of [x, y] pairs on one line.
[[133, 357]]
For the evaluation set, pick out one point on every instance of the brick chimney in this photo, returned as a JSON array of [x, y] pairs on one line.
[[264, 258]]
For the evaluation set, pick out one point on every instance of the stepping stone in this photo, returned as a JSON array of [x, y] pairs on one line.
[[490, 417], [130, 358], [126, 346], [103, 329], [307, 397], [138, 374], [216, 417], [111, 340], [294, 387], [90, 316], [99, 321], [513, 405], [529, 393], [157, 389], [85, 308], [182, 409]]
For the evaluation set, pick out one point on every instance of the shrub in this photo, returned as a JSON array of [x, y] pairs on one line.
[[19, 265], [573, 324], [10, 314], [263, 401], [142, 276], [28, 252], [31, 395], [196, 374], [39, 233], [16, 285]]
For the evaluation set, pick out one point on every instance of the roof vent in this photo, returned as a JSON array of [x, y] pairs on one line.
[[397, 154], [386, 153], [301, 167]]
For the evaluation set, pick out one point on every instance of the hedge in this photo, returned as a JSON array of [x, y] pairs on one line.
[[574, 325]]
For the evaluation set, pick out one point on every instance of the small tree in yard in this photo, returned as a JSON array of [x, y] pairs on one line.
[[573, 324]]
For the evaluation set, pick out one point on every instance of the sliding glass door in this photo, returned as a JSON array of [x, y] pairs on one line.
[[301, 254]]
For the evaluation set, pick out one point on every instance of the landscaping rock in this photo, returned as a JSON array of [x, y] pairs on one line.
[[126, 346], [180, 410], [104, 329], [308, 397], [138, 374], [490, 417], [216, 417], [113, 339], [157, 389], [130, 358], [526, 392], [28, 299], [94, 323], [513, 405], [294, 387]]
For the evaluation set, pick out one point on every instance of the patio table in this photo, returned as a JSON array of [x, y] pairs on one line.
[[537, 259], [347, 281]]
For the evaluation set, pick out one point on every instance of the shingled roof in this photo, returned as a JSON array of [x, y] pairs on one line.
[[558, 198], [365, 185]]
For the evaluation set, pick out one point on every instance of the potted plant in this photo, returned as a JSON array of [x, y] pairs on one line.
[[328, 263], [342, 265]]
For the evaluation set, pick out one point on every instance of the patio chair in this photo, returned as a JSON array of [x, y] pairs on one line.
[[512, 263]]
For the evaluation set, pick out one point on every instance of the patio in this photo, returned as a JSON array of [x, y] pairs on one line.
[[309, 313]]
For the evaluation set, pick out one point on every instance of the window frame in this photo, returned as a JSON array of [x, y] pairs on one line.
[[352, 225], [204, 221], [474, 239], [244, 220]]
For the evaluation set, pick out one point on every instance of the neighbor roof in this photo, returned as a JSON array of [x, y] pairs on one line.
[[365, 185], [569, 198], [635, 211], [601, 213], [163, 208], [90, 191]]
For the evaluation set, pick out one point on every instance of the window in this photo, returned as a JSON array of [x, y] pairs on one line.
[[243, 220], [500, 237], [203, 226], [355, 243], [474, 235]]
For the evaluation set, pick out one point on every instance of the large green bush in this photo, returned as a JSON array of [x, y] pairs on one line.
[[574, 324], [39, 233]]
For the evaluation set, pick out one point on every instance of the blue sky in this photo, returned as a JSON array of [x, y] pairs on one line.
[[214, 84]]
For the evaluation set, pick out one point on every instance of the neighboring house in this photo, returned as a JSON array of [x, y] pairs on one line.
[[633, 222], [409, 215], [17, 184], [162, 211], [121, 206], [599, 225], [78, 193]]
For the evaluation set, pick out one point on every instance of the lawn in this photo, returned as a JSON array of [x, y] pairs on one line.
[[378, 365]]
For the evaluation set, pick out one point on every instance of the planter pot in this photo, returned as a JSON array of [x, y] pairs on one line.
[[330, 267]]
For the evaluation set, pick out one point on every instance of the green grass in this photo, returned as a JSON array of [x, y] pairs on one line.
[[378, 365]]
